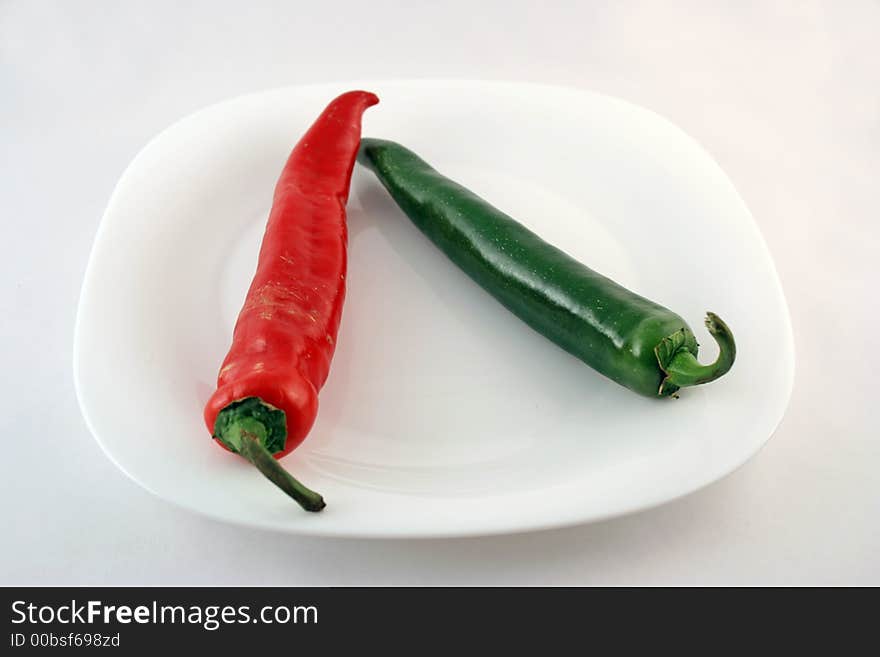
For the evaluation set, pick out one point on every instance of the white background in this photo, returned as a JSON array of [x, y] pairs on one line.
[[785, 96]]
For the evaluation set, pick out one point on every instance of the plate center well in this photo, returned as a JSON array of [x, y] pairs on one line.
[[435, 387]]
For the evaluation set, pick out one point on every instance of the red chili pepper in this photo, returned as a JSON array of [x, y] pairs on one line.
[[267, 389]]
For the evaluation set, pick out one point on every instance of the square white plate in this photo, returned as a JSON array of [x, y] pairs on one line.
[[444, 415]]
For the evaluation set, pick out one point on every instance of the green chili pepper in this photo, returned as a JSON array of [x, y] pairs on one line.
[[628, 338]]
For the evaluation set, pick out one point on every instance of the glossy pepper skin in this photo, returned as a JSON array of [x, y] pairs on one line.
[[285, 335], [626, 337]]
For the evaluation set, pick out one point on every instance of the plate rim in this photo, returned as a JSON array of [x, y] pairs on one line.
[[316, 530]]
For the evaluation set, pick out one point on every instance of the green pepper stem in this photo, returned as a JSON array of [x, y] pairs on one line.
[[685, 370], [252, 449]]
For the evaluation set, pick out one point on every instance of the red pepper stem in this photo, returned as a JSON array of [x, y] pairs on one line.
[[252, 449]]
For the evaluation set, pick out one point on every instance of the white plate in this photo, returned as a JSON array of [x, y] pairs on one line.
[[443, 415]]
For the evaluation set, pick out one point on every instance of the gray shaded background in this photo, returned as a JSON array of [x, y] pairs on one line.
[[785, 95]]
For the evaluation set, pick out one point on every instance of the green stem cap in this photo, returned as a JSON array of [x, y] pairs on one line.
[[683, 369], [255, 430]]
